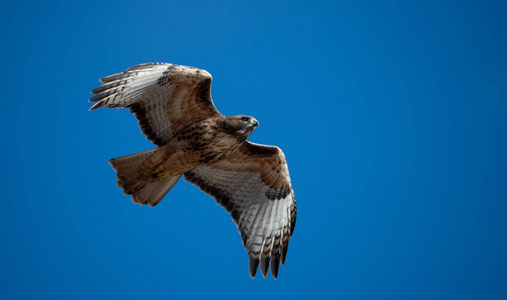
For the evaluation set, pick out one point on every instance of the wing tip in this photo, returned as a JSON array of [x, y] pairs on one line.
[[264, 266], [97, 106], [275, 265], [283, 255], [253, 264]]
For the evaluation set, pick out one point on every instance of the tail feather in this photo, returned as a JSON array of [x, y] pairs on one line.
[[152, 192], [134, 182]]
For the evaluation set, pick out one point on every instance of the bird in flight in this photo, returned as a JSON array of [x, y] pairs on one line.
[[173, 106]]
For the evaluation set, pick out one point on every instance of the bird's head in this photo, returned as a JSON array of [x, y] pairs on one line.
[[241, 125]]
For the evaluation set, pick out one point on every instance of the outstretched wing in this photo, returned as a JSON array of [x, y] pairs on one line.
[[163, 97], [253, 184]]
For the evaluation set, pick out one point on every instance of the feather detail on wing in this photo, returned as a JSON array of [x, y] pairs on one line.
[[163, 97], [253, 184]]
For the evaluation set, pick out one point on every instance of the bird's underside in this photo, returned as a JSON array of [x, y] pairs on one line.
[[174, 109]]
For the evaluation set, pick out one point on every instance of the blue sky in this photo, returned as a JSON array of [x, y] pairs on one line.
[[392, 117]]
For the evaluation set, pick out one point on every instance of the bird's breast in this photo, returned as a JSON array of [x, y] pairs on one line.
[[204, 144]]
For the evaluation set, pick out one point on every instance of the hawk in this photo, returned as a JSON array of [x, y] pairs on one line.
[[173, 106]]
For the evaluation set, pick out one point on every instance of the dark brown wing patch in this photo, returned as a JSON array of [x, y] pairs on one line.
[[268, 160], [164, 97]]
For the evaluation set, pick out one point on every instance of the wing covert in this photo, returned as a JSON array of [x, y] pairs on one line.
[[163, 97]]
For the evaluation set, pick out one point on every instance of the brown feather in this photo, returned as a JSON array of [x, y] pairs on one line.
[[174, 109], [163, 97], [268, 160]]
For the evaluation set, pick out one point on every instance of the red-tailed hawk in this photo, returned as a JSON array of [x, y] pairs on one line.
[[174, 108]]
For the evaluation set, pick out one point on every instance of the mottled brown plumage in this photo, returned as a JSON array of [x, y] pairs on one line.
[[174, 108]]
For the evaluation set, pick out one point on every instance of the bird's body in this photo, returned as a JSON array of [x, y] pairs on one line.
[[199, 144], [174, 108]]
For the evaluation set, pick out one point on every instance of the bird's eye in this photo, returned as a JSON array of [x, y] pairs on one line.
[[244, 119]]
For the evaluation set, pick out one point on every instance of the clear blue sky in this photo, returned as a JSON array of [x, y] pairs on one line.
[[392, 116]]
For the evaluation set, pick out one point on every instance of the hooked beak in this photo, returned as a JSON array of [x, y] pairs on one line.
[[255, 123]]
